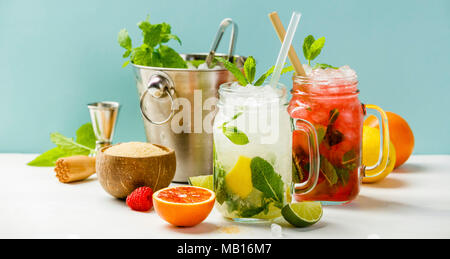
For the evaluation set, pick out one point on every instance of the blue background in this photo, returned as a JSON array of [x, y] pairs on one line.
[[57, 56]]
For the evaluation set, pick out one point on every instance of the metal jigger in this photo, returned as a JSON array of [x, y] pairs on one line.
[[103, 117]]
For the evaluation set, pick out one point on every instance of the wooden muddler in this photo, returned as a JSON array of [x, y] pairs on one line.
[[74, 168], [281, 32]]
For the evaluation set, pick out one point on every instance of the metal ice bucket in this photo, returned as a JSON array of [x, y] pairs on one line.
[[162, 91]]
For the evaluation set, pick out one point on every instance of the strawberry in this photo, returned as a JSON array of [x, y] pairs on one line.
[[140, 199]]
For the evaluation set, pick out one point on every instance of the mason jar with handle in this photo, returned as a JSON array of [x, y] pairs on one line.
[[252, 153], [328, 100]]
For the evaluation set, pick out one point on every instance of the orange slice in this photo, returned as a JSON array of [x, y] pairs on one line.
[[184, 206]]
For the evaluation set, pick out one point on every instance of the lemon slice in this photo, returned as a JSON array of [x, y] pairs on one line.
[[205, 181], [239, 179], [302, 214]]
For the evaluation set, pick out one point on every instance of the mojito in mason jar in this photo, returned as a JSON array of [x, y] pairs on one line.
[[252, 152]]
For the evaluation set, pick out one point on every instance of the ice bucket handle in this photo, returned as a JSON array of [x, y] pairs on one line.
[[234, 31], [158, 86]]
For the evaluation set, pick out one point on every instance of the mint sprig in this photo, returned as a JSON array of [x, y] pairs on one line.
[[312, 48], [153, 52], [248, 76], [84, 145]]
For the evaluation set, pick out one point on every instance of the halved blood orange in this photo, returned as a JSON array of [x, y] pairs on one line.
[[184, 206]]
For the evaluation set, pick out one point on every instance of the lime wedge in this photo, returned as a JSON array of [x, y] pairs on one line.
[[302, 214], [205, 181]]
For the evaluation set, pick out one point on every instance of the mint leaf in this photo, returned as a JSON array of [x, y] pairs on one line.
[[324, 66], [126, 63], [328, 170], [316, 48], [68, 145], [126, 54], [49, 157], [124, 39], [343, 174], [170, 58], [234, 70], [166, 38], [332, 135], [250, 69], [151, 33], [297, 172], [166, 35], [307, 42], [350, 160], [125, 42], [196, 63], [248, 212], [235, 135], [264, 76], [333, 115], [86, 136], [287, 69], [142, 55], [349, 157], [156, 59], [266, 180], [321, 131], [312, 47]]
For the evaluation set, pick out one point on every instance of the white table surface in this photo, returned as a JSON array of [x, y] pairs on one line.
[[412, 202]]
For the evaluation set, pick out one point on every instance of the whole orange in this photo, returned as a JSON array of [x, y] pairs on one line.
[[400, 134]]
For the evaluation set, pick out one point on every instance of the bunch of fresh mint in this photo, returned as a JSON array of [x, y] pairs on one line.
[[84, 145], [312, 49], [153, 52], [248, 76]]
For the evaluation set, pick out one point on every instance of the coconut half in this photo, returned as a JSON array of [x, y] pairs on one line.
[[121, 175]]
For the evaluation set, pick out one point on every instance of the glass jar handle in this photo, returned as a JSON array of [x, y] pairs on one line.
[[383, 159], [314, 158]]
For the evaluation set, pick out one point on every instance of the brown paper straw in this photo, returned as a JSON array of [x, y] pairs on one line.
[[281, 32]]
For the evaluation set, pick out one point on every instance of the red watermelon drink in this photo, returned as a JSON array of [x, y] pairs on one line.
[[328, 99]]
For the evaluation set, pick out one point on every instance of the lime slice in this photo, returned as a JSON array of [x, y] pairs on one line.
[[205, 181], [302, 214]]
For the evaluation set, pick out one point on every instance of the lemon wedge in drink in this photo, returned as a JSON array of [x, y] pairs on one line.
[[239, 179], [302, 214], [205, 181]]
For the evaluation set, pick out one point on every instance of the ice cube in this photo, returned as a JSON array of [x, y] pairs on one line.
[[276, 230], [203, 66], [307, 68], [347, 72], [190, 65]]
